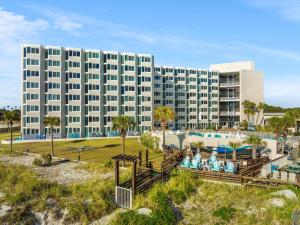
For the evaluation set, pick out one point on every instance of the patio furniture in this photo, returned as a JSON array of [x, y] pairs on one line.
[[229, 168], [195, 164], [186, 162], [215, 166], [198, 157]]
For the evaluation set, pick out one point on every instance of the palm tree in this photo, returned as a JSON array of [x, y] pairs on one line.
[[122, 124], [52, 122], [249, 109], [164, 114], [234, 145], [9, 118], [255, 141], [198, 145], [259, 109]]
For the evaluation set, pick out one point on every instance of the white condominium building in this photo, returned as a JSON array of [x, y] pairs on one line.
[[193, 93], [239, 81], [88, 88]]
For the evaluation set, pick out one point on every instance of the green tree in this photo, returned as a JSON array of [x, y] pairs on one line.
[[234, 145], [52, 122], [293, 115], [199, 145], [9, 118], [150, 141], [259, 110], [255, 141], [249, 109], [122, 124], [164, 114]]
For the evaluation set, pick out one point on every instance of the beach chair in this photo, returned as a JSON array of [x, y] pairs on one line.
[[198, 157], [229, 168], [186, 162], [195, 164], [215, 166], [212, 159]]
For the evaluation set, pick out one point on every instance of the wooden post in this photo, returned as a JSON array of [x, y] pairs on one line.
[[133, 177], [147, 156], [140, 158], [117, 180]]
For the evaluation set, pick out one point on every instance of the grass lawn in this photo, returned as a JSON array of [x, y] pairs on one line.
[[102, 149], [4, 136]]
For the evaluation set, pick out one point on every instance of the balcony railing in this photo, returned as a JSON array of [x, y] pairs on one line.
[[229, 98], [229, 84], [228, 113]]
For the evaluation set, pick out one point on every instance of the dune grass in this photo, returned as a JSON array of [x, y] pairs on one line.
[[26, 192], [204, 202]]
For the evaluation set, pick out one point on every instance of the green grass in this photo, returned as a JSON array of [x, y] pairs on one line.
[[204, 202], [4, 136], [26, 192], [103, 149]]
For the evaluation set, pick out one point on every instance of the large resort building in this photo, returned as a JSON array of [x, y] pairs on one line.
[[87, 88]]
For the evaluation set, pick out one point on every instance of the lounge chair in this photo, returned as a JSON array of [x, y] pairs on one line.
[[198, 157], [229, 168], [195, 164], [186, 162], [215, 166], [212, 159]]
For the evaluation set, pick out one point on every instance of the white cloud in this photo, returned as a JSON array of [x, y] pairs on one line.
[[15, 29], [66, 24], [287, 9]]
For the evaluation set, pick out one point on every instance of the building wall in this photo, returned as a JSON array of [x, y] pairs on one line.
[[88, 88]]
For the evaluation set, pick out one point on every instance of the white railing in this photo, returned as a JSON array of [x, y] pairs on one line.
[[230, 98], [229, 84], [123, 197]]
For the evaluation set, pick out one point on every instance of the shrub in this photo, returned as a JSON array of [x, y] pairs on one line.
[[149, 141], [37, 162], [109, 164], [225, 213], [47, 159]]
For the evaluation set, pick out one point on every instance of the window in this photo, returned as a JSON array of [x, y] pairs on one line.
[[74, 64], [53, 86], [94, 55], [32, 85], [34, 62], [53, 74], [52, 96], [53, 51]]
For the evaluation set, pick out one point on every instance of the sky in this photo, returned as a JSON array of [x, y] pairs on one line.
[[178, 33]]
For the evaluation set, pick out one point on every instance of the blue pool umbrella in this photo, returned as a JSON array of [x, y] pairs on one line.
[[227, 149]]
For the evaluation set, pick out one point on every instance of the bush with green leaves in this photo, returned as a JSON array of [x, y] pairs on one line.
[[159, 199], [150, 141], [45, 160], [225, 213]]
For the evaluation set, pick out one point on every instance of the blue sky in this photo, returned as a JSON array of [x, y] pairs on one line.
[[179, 33]]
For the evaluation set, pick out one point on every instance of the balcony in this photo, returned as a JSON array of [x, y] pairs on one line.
[[229, 84], [229, 113], [229, 98]]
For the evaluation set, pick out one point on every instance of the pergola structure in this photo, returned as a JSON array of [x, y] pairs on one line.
[[126, 158]]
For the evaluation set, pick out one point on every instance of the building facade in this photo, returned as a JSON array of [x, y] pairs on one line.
[[88, 88], [239, 81]]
